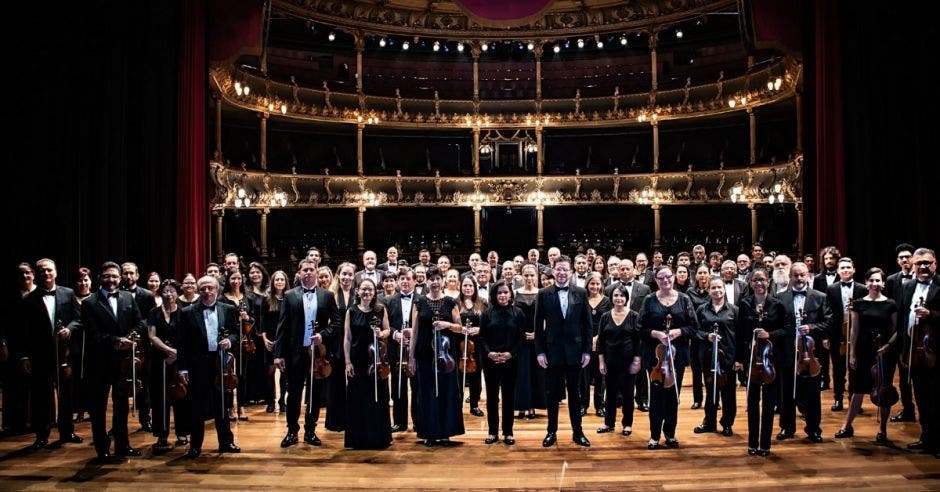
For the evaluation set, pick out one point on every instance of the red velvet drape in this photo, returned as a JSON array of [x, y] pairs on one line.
[[830, 143], [192, 212]]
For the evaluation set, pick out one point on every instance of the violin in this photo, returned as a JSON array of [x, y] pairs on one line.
[[445, 362], [469, 348], [131, 365], [320, 367], [247, 335], [225, 376], [922, 355], [846, 329], [883, 392], [717, 377], [663, 372], [378, 351], [174, 385], [762, 354], [63, 352], [807, 363]]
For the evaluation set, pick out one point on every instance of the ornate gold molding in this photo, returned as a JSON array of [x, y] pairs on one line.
[[326, 191], [616, 110]]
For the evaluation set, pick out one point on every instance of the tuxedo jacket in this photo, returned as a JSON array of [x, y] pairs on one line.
[[562, 338], [816, 314], [894, 284], [37, 335], [383, 267], [194, 342], [143, 298], [377, 277], [819, 281], [396, 319], [290, 326], [834, 297], [637, 294], [103, 329], [741, 290], [931, 302]]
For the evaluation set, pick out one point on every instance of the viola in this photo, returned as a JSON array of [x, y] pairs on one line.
[[922, 355], [662, 372], [320, 367], [248, 329], [176, 386], [445, 362], [807, 363], [131, 365], [717, 377], [225, 375], [883, 393], [63, 353], [762, 355]]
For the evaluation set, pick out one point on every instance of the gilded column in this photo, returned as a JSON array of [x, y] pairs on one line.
[[218, 126], [540, 226], [655, 145], [657, 231], [754, 236], [359, 167], [476, 150], [219, 251], [264, 232], [264, 139], [361, 230], [799, 228], [539, 163], [477, 234], [752, 124]]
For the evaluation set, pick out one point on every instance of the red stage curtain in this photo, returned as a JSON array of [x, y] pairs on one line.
[[192, 211]]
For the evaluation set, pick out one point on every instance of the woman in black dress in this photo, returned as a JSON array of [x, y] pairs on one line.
[[618, 351], [874, 321], [161, 328], [270, 313], [501, 330], [590, 375], [256, 367], [683, 282], [436, 318], [698, 293], [471, 307], [717, 315], [343, 290], [80, 346], [664, 402], [530, 383], [234, 294], [367, 421]]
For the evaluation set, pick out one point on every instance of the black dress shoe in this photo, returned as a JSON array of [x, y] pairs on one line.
[[843, 433], [752, 451], [881, 439], [230, 448], [903, 417], [71, 438], [784, 435], [104, 457], [182, 440], [146, 427], [128, 453], [727, 431], [281, 407], [626, 432], [509, 440], [604, 430], [600, 413], [643, 407], [672, 443], [312, 439], [39, 443], [580, 440], [269, 408], [916, 445], [396, 428], [702, 429], [583, 412], [193, 453], [161, 443], [490, 439], [763, 452], [520, 415], [289, 440], [476, 412], [815, 438], [549, 440], [653, 445], [696, 405], [837, 406]]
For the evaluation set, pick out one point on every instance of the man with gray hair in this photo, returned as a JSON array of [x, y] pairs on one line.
[[781, 274]]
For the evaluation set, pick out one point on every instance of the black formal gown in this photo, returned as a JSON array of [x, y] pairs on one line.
[[441, 413], [336, 390], [162, 375], [874, 330], [368, 425], [474, 379], [268, 326], [530, 383], [591, 375]]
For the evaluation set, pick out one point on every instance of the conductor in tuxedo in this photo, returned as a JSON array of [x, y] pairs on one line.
[[815, 322], [110, 317], [838, 295], [309, 318], [51, 319], [563, 345], [200, 355]]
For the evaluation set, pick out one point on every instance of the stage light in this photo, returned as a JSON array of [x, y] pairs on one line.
[[580, 43], [405, 45], [460, 47], [777, 83], [283, 108], [732, 103], [382, 42], [484, 46], [556, 49], [246, 90], [600, 44], [530, 46], [678, 33], [623, 40], [331, 36], [437, 46]]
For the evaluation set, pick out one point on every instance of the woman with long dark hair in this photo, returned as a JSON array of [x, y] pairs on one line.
[[234, 294], [271, 310], [530, 383], [162, 330], [501, 330], [471, 307], [619, 358]]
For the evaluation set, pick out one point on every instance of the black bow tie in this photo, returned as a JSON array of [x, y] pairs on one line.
[[846, 284], [907, 277], [114, 294], [310, 291], [562, 289], [799, 293], [628, 285], [922, 282], [406, 296], [208, 308], [48, 292]]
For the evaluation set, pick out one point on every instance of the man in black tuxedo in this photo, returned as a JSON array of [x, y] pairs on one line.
[[391, 263], [200, 354], [734, 289], [627, 278], [830, 257], [925, 380], [400, 310], [51, 319], [421, 278], [563, 345], [815, 322], [295, 339], [145, 303], [424, 259], [838, 295], [110, 318], [894, 286], [369, 270]]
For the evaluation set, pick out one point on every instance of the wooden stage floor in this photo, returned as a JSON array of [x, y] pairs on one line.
[[614, 462]]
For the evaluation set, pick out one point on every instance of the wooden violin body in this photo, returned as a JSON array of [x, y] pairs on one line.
[[807, 362], [445, 361], [321, 365], [883, 392], [662, 372], [131, 366], [383, 367], [176, 387], [762, 367]]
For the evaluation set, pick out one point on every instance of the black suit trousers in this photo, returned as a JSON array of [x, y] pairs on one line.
[[298, 376], [207, 401], [557, 379]]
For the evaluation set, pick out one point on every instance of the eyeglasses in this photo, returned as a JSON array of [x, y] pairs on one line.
[[924, 263], [758, 280], [207, 288], [903, 257], [664, 277]]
